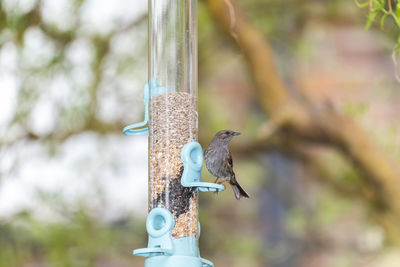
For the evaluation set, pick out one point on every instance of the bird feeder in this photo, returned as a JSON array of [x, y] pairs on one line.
[[171, 121]]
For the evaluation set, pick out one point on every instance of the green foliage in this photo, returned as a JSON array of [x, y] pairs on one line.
[[81, 241], [384, 9]]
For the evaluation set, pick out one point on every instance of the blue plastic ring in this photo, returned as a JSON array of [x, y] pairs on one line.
[[168, 223]]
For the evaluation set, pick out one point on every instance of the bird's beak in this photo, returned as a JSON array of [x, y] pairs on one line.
[[235, 133]]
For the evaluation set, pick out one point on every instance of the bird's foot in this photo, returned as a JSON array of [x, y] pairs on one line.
[[223, 180]]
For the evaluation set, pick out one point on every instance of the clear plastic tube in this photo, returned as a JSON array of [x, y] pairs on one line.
[[173, 113]]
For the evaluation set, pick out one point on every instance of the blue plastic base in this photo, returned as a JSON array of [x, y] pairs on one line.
[[185, 252], [173, 261]]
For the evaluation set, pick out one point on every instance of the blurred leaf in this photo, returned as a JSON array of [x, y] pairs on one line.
[[370, 19], [378, 4], [383, 20], [398, 9], [361, 5]]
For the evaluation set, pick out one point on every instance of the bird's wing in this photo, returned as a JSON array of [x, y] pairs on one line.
[[230, 163], [228, 166]]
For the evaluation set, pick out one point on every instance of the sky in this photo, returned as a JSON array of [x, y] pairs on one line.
[[69, 173]]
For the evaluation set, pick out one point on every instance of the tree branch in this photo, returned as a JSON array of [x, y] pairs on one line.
[[303, 122]]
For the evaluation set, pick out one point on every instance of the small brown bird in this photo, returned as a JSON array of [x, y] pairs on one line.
[[218, 160]]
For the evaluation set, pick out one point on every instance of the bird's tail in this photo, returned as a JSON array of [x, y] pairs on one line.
[[239, 191]]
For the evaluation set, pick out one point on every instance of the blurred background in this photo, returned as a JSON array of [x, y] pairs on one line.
[[314, 95]]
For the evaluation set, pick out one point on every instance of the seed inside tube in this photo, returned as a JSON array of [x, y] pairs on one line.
[[173, 123]]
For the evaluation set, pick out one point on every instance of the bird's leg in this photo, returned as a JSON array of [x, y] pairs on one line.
[[224, 180], [216, 182], [220, 182]]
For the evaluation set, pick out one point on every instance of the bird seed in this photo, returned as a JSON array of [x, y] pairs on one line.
[[173, 123]]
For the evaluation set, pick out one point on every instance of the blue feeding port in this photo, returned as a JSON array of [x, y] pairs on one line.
[[192, 158], [141, 128], [159, 225]]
